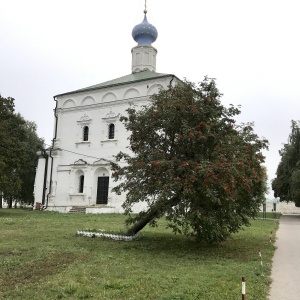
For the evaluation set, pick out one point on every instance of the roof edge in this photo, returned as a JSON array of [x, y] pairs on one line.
[[92, 88]]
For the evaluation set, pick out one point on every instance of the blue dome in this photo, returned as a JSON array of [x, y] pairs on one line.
[[145, 33]]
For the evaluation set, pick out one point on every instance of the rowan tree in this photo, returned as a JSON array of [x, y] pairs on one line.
[[191, 163], [286, 185]]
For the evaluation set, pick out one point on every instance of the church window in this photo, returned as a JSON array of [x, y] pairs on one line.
[[111, 131], [85, 133], [81, 183]]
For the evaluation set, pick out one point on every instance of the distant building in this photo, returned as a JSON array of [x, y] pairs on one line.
[[75, 171]]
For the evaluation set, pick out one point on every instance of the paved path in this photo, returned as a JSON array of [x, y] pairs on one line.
[[286, 262]]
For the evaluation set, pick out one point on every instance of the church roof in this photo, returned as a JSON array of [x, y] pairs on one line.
[[131, 78]]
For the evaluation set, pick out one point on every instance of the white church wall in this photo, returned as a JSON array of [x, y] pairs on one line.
[[97, 110], [68, 103], [88, 134], [39, 180], [88, 101], [131, 93]]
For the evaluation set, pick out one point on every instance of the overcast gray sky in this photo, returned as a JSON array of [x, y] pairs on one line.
[[252, 48]]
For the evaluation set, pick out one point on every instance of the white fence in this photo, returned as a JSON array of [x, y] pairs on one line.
[[283, 207]]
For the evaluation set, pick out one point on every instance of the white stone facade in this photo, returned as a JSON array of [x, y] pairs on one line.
[[143, 58], [72, 157], [75, 170]]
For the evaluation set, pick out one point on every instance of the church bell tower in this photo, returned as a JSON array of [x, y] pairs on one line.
[[144, 54]]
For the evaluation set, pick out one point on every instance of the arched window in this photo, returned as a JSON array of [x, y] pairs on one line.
[[81, 184], [111, 131], [85, 133]]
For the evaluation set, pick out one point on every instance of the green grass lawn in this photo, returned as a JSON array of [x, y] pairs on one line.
[[42, 258]]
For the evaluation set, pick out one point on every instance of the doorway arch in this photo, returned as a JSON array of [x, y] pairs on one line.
[[101, 182]]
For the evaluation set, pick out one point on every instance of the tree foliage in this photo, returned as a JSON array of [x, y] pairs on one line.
[[32, 143], [18, 146], [286, 185], [191, 163], [12, 134]]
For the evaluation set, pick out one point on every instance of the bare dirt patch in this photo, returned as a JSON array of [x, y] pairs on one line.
[[37, 270]]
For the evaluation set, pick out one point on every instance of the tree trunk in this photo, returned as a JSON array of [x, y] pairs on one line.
[[10, 201], [1, 200], [152, 213], [139, 225]]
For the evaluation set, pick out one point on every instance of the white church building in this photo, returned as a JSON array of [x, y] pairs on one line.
[[74, 173]]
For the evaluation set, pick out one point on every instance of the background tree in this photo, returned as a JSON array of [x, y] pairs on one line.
[[18, 146], [12, 134], [32, 143], [286, 185], [191, 163]]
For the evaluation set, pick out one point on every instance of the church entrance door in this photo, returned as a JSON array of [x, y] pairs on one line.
[[102, 190]]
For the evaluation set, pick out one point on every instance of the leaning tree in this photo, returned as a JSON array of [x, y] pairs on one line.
[[191, 163]]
